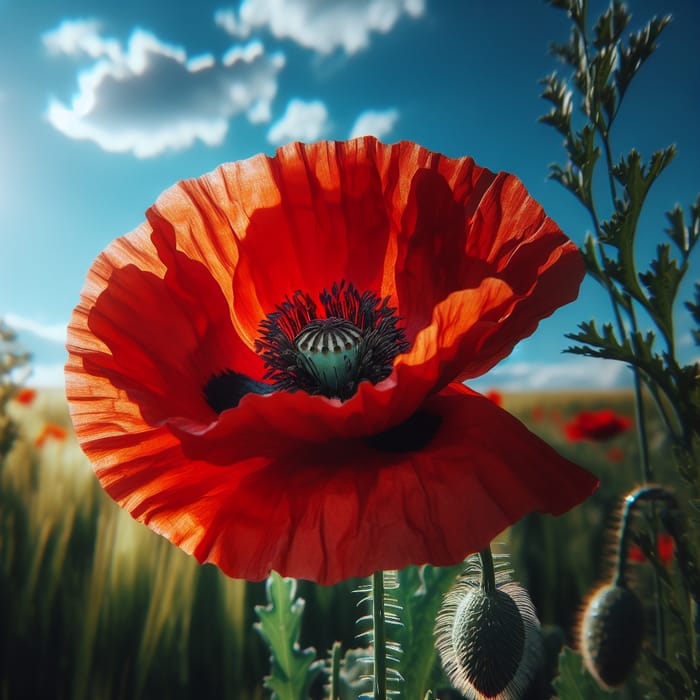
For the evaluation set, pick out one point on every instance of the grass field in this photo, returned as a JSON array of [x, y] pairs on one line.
[[94, 606]]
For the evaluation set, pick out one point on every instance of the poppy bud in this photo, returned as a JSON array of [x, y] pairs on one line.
[[611, 633], [489, 640]]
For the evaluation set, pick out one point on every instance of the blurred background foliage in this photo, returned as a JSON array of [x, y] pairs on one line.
[[95, 606]]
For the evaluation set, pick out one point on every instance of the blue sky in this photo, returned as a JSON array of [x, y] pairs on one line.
[[105, 105]]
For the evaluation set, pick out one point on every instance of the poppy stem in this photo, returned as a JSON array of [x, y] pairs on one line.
[[631, 503], [488, 575], [379, 626], [335, 671]]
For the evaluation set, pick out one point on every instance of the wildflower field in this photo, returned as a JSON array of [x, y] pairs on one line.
[[96, 606], [268, 474]]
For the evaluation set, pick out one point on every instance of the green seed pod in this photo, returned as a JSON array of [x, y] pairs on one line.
[[611, 634], [489, 641]]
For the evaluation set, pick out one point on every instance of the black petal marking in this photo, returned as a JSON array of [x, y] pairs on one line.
[[225, 390]]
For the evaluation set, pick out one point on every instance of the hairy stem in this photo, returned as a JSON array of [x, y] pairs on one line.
[[488, 575], [379, 626]]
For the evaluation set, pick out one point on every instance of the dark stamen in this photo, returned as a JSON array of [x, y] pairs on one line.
[[357, 333]]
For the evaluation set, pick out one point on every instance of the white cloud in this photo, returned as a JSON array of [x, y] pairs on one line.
[[81, 36], [226, 19], [302, 121], [46, 376], [149, 97], [588, 373], [55, 332], [374, 123], [321, 25]]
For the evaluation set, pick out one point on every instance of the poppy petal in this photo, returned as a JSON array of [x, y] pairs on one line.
[[145, 327], [347, 509], [405, 471]]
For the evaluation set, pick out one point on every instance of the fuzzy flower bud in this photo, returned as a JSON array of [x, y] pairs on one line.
[[489, 640], [611, 633]]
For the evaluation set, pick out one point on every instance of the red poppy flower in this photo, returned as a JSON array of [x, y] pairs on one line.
[[268, 371], [664, 547], [51, 431], [25, 396], [596, 425]]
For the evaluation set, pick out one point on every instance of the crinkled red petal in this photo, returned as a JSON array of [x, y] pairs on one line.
[[158, 331], [397, 220], [468, 257], [341, 509], [294, 418]]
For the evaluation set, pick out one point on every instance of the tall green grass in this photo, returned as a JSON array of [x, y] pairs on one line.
[[95, 606]]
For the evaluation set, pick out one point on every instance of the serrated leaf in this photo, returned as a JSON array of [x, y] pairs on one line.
[[641, 45], [575, 683], [662, 282], [620, 230], [355, 682], [694, 309], [601, 69], [678, 232], [636, 176], [684, 237], [292, 669], [572, 179], [567, 53], [557, 92], [610, 25]]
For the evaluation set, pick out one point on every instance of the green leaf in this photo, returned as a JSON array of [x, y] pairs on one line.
[[557, 92], [601, 68], [610, 25], [575, 683], [292, 669], [620, 230], [355, 683], [641, 46], [695, 312], [420, 593], [662, 282]]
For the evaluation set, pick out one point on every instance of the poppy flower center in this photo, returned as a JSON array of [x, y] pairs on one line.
[[329, 348]]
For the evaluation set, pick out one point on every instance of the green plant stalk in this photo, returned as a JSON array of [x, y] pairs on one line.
[[379, 627], [643, 441], [488, 575], [632, 501], [640, 416], [335, 671]]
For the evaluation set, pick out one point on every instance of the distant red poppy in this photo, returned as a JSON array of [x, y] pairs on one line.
[[51, 431], [537, 414], [596, 425], [495, 397], [664, 548], [268, 372], [25, 396]]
